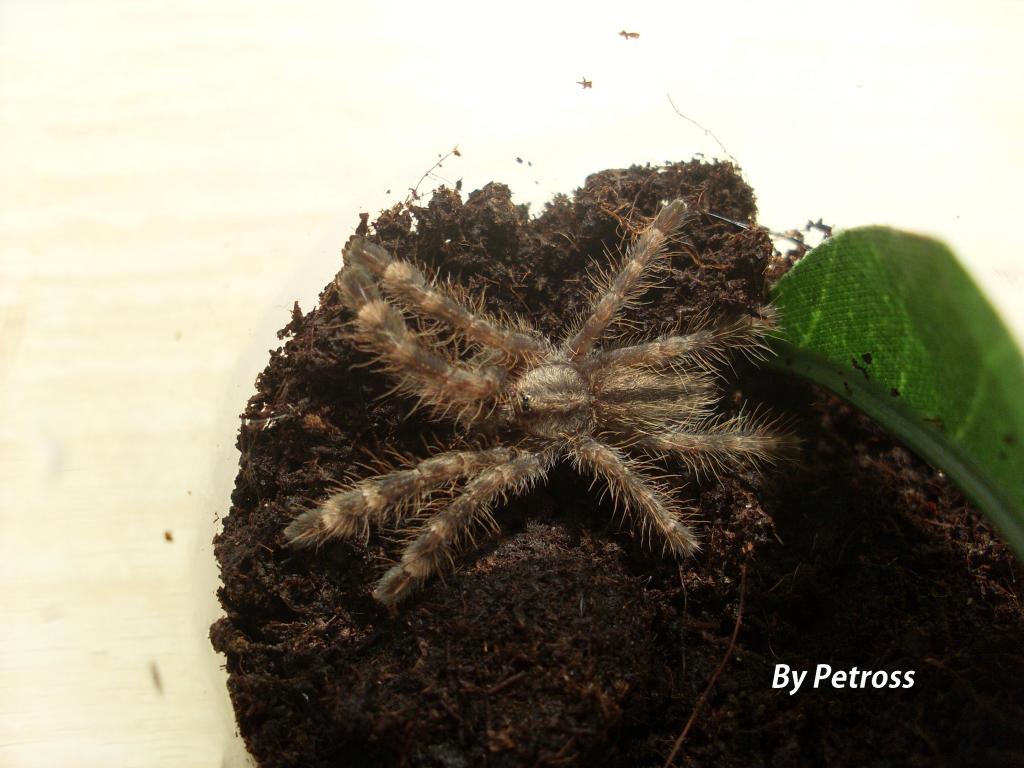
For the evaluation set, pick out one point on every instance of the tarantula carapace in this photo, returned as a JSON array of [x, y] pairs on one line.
[[533, 403]]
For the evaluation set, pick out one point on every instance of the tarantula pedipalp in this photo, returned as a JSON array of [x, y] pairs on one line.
[[536, 402]]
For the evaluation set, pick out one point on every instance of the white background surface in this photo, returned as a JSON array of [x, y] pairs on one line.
[[172, 175]]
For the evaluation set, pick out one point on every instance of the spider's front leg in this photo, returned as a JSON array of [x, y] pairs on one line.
[[627, 283], [420, 370], [383, 499], [434, 548], [639, 495], [406, 283]]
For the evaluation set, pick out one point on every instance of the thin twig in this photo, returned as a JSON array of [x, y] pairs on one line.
[[714, 678], [499, 687], [707, 132], [771, 232], [414, 192]]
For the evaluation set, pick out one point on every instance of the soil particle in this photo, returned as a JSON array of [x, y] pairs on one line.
[[565, 642]]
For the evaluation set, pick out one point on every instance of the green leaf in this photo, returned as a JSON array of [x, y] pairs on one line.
[[892, 323]]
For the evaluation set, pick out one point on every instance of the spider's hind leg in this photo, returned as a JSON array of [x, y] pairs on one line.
[[704, 345], [713, 446], [640, 496]]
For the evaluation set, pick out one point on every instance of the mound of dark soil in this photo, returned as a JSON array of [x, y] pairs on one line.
[[565, 642]]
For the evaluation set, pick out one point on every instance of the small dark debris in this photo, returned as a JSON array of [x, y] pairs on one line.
[[519, 160], [867, 358], [168, 536], [861, 368], [154, 673], [825, 229], [363, 227], [1010, 439], [894, 392]]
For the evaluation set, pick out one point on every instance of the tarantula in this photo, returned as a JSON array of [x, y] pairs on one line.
[[535, 402]]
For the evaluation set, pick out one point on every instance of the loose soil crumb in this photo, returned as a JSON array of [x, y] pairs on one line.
[[565, 642]]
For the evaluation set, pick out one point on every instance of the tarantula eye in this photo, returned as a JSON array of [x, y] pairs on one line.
[[524, 402]]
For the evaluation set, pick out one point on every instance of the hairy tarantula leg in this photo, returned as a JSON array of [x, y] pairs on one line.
[[434, 549], [623, 286], [706, 345], [638, 495], [407, 283], [350, 511], [381, 329], [713, 447]]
